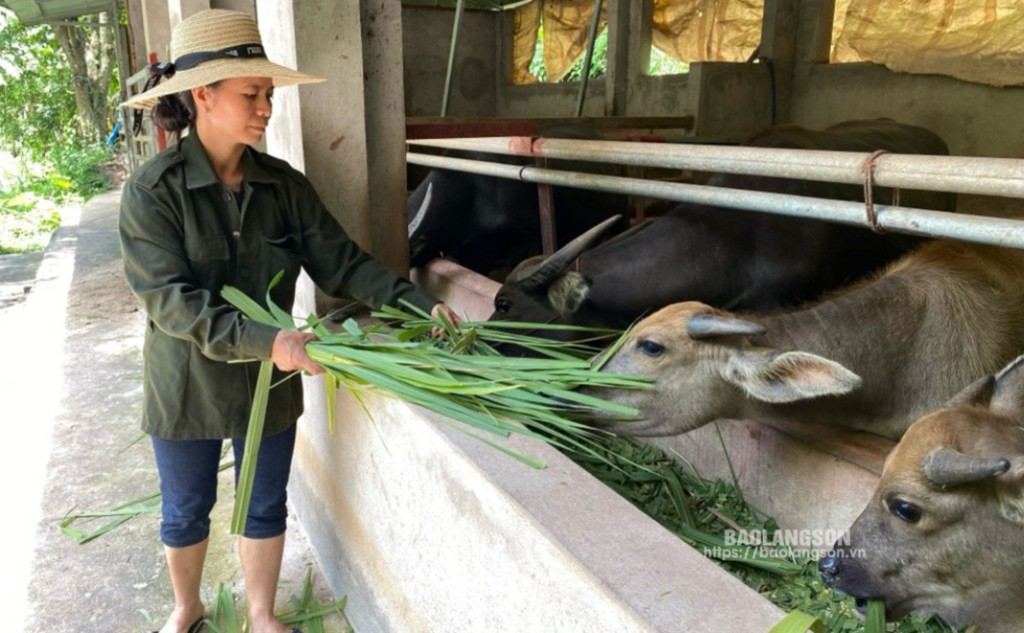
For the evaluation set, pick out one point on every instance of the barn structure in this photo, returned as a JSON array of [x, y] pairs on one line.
[[427, 530]]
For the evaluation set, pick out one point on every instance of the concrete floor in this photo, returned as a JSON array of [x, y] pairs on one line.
[[70, 400]]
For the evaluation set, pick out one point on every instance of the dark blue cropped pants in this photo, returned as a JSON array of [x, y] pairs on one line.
[[188, 485]]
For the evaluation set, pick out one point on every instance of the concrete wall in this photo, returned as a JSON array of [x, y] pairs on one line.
[[729, 100], [975, 120], [353, 125], [426, 529], [426, 41], [807, 478]]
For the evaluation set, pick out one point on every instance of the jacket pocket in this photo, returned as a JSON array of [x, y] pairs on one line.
[[283, 253], [209, 258], [290, 242]]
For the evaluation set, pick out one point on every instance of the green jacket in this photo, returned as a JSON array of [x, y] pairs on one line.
[[183, 238]]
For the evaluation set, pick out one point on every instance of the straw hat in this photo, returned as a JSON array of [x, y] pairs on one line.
[[210, 46]]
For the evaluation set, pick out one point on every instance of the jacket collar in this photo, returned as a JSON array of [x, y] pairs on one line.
[[199, 172]]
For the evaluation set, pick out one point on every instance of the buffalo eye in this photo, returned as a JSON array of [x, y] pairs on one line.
[[502, 305], [650, 348], [905, 511]]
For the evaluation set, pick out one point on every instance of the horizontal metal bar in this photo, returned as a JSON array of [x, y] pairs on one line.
[[77, 24], [972, 228], [959, 174], [449, 127]]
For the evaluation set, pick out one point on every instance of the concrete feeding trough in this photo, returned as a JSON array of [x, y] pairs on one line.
[[427, 529]]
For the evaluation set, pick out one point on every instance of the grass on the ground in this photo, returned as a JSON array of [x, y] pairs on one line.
[[31, 195], [26, 222]]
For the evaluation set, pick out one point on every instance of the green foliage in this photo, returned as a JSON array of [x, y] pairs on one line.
[[598, 65], [83, 165], [47, 163], [31, 193], [26, 222], [662, 64], [37, 103]]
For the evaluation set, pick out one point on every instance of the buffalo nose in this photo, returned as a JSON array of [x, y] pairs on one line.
[[828, 567]]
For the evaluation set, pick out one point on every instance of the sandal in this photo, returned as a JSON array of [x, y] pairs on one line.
[[197, 626]]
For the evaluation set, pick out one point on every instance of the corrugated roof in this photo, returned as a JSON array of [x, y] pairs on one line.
[[36, 11]]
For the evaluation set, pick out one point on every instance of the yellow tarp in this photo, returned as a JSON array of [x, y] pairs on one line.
[[566, 27], [980, 41], [974, 40], [688, 30], [707, 30]]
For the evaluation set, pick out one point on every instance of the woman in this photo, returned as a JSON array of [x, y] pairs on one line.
[[207, 212]]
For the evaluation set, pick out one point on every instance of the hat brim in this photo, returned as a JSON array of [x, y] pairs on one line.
[[218, 70]]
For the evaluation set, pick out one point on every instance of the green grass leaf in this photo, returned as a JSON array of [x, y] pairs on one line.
[[253, 437]]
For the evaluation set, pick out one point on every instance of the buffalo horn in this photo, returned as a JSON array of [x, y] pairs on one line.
[[701, 326], [563, 257], [422, 211], [949, 467]]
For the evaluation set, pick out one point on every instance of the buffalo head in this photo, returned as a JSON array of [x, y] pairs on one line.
[[543, 289], [708, 365], [944, 531]]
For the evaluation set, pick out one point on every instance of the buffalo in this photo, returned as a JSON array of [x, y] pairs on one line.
[[943, 531], [741, 260], [490, 224], [874, 356]]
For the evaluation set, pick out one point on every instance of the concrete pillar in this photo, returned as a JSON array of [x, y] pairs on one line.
[[284, 134], [617, 77], [156, 23], [354, 125], [779, 34], [137, 51], [178, 10], [242, 6]]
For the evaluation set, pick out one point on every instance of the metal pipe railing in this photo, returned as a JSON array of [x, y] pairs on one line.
[[460, 10], [985, 230], [585, 79], [958, 174]]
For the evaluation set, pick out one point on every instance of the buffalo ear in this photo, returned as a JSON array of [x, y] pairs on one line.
[[568, 292], [788, 376], [1008, 397], [978, 393], [1010, 491]]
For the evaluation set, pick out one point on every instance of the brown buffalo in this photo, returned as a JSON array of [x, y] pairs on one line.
[[874, 356], [944, 531]]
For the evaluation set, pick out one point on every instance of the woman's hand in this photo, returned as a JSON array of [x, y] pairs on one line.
[[289, 352], [437, 311]]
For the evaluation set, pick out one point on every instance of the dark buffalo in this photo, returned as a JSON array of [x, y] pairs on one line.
[[740, 260], [488, 223]]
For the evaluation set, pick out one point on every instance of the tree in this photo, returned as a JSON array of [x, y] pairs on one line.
[[35, 89], [55, 85], [92, 54]]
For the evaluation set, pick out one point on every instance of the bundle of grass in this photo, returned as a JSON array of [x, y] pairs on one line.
[[465, 379]]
